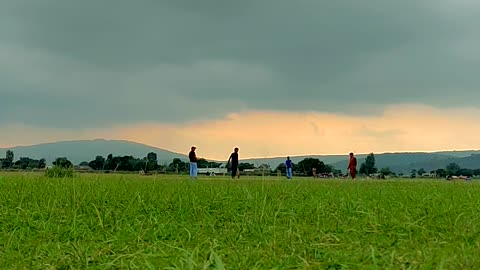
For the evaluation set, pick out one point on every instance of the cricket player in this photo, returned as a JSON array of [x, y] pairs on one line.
[[288, 163], [234, 163], [352, 166], [193, 162]]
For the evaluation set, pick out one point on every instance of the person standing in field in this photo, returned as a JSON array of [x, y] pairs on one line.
[[234, 163], [193, 162], [352, 166], [288, 164]]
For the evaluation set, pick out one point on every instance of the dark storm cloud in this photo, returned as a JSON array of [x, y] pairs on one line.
[[91, 63]]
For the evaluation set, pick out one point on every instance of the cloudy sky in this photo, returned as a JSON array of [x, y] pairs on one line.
[[273, 77]]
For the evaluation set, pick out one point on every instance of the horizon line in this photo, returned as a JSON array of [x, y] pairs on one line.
[[253, 157]]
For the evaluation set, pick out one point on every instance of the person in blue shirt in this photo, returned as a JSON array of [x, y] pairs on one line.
[[288, 163]]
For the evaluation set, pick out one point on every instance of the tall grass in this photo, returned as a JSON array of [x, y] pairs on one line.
[[122, 221], [59, 172]]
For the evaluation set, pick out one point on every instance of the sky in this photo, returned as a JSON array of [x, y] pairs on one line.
[[273, 77]]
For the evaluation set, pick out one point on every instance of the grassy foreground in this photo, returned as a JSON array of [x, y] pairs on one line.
[[126, 222]]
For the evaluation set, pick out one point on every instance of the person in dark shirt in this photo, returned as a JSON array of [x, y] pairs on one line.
[[233, 161], [288, 163], [193, 162], [352, 166]]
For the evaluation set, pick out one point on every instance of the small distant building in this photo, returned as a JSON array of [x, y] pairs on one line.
[[429, 175], [212, 171], [83, 169]]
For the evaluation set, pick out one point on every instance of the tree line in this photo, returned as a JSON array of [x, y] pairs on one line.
[[110, 163], [150, 163], [147, 164], [22, 163], [452, 169]]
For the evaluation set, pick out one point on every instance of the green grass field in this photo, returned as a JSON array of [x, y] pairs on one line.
[[167, 222]]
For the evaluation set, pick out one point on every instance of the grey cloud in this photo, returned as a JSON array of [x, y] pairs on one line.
[[91, 63]]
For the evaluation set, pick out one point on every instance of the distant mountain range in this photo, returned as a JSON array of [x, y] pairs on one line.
[[86, 150]]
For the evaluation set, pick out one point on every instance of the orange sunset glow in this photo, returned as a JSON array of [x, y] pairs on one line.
[[265, 134]]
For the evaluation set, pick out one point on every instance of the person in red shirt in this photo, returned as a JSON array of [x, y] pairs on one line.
[[352, 166]]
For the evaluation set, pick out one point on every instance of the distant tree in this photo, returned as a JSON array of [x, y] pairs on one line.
[[214, 164], [83, 163], [98, 163], [363, 168], [9, 156], [177, 165], [162, 167], [476, 172], [25, 163], [421, 171], [453, 169], [152, 157], [152, 162], [329, 168], [306, 165], [8, 161], [245, 166], [441, 173], [368, 167], [203, 163], [62, 162], [413, 173], [282, 168], [337, 172], [386, 171], [109, 163], [42, 163], [265, 167], [465, 172], [128, 163], [34, 163], [119, 163]]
